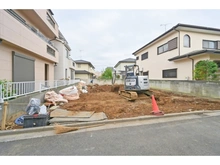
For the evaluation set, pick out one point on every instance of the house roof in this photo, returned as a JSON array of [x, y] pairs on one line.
[[193, 53], [127, 60], [83, 62], [176, 27], [82, 72]]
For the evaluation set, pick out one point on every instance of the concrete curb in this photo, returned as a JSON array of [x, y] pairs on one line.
[[112, 121]]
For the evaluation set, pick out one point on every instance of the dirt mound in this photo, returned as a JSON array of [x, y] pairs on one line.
[[105, 98]]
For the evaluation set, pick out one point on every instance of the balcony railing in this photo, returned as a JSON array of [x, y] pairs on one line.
[[33, 29], [9, 90]]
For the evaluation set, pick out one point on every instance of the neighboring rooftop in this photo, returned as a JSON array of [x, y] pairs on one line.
[[127, 60], [82, 72], [83, 62]]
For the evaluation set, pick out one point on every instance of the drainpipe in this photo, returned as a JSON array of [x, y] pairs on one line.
[[192, 67], [179, 41]]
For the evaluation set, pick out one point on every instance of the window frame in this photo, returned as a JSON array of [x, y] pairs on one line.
[[168, 46], [50, 51], [209, 41], [144, 56], [188, 45], [168, 70]]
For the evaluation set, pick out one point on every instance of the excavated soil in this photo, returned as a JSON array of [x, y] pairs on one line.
[[105, 98]]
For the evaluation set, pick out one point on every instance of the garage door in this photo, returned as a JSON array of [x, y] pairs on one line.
[[23, 68]]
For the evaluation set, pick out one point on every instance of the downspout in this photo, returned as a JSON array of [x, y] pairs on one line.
[[179, 41], [192, 67]]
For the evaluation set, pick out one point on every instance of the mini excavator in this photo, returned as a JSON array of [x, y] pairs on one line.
[[134, 83]]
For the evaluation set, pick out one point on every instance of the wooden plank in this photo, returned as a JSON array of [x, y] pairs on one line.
[[4, 115], [77, 114], [95, 117]]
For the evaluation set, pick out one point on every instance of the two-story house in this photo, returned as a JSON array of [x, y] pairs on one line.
[[120, 66], [84, 70], [26, 50], [65, 68], [174, 54]]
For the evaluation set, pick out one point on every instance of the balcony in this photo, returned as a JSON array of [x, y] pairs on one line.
[[31, 28]]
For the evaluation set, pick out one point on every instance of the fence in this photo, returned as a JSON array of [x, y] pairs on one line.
[[10, 90]]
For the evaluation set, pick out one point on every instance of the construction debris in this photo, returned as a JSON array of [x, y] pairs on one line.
[[52, 96], [64, 129]]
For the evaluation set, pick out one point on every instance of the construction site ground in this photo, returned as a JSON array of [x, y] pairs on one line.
[[105, 98]]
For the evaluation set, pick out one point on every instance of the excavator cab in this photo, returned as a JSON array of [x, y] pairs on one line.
[[134, 83]]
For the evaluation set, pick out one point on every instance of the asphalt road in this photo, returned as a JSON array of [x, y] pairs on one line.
[[200, 136]]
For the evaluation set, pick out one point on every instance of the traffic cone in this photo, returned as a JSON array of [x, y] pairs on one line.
[[155, 108]]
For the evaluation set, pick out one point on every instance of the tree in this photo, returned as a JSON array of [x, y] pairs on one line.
[[107, 74], [205, 70]]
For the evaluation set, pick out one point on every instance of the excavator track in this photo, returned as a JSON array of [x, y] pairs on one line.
[[129, 95]]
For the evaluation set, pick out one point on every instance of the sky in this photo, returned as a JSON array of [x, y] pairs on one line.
[[106, 36], [104, 32]]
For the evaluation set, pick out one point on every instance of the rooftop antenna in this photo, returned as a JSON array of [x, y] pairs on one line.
[[165, 25]]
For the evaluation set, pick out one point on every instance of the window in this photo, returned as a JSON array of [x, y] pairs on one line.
[[50, 50], [79, 65], [163, 48], [145, 73], [137, 58], [186, 41], [209, 44], [144, 56], [170, 45], [50, 20], [170, 73]]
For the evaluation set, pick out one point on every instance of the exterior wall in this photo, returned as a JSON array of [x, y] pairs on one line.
[[43, 15], [83, 76], [16, 33], [156, 63], [18, 37], [64, 63], [6, 63], [83, 67], [195, 40]]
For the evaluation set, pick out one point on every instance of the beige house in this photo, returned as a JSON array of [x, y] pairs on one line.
[[26, 49], [65, 68], [173, 54], [120, 66], [84, 70]]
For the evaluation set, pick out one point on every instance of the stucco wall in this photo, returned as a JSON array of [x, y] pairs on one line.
[[6, 62], [16, 33], [156, 63]]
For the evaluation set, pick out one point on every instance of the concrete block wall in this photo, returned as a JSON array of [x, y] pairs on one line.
[[195, 88]]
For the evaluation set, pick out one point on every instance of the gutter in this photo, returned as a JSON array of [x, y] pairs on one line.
[[192, 67]]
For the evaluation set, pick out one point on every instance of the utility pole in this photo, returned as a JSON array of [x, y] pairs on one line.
[[165, 25]]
